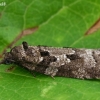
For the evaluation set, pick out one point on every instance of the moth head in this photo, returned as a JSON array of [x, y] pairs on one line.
[[22, 54], [14, 56], [7, 59]]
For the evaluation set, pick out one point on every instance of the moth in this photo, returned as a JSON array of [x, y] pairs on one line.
[[56, 61]]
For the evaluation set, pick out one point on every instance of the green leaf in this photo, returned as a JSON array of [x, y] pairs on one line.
[[60, 23]]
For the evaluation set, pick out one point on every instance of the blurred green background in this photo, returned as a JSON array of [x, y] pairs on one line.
[[58, 23]]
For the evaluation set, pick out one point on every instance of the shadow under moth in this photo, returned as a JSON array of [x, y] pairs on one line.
[[53, 61]]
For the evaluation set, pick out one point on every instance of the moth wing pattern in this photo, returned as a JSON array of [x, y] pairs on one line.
[[56, 61]]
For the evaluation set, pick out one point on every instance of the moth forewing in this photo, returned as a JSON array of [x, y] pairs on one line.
[[53, 61]]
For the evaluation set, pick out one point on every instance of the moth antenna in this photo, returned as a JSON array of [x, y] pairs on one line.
[[25, 45]]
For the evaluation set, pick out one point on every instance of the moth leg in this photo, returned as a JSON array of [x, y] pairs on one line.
[[29, 66], [51, 71], [10, 69], [52, 77], [32, 72]]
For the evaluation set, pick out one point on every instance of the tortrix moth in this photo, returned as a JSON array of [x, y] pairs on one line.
[[53, 61]]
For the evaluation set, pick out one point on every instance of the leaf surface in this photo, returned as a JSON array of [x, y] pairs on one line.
[[61, 23]]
